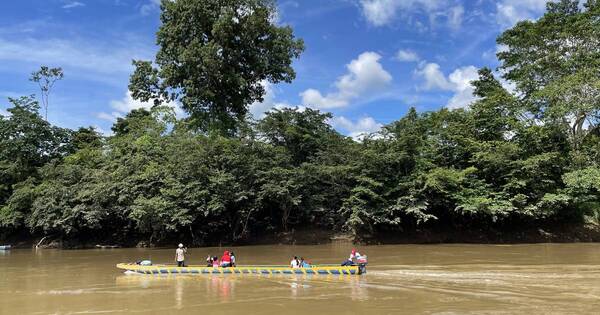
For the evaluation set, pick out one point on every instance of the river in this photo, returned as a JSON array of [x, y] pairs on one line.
[[409, 279]]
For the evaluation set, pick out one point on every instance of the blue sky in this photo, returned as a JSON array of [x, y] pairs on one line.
[[366, 61]]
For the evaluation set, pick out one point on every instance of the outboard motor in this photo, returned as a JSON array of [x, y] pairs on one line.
[[362, 264]]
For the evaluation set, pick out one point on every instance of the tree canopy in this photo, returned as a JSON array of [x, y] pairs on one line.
[[512, 160], [214, 57]]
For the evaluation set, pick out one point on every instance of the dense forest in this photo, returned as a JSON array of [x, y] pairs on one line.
[[517, 158]]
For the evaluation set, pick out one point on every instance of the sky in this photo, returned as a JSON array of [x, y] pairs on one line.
[[366, 61]]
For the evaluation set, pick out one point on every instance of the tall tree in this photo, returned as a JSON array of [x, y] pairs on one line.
[[555, 63], [214, 58], [46, 78]]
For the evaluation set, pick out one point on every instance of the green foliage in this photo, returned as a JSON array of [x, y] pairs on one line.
[[214, 57], [509, 161]]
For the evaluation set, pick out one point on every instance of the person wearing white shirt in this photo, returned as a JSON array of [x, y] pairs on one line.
[[295, 263], [180, 255]]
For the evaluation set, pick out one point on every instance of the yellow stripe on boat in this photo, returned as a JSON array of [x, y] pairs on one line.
[[266, 270]]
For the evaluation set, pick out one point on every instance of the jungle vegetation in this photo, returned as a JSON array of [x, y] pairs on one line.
[[514, 159]]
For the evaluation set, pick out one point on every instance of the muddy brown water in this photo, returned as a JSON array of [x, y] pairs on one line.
[[408, 279]]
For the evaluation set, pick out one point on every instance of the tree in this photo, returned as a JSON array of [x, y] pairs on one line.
[[45, 78], [214, 57], [27, 142], [301, 132], [555, 63]]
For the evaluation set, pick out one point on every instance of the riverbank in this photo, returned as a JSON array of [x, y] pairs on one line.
[[562, 234]]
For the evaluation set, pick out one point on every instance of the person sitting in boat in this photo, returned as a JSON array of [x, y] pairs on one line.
[[209, 261], [180, 255], [351, 261], [295, 263], [226, 259], [304, 263], [232, 255], [215, 262]]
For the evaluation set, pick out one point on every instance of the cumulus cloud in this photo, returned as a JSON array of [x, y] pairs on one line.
[[365, 76], [356, 129], [434, 77], [384, 12], [459, 82], [406, 55], [73, 4], [509, 12], [123, 106]]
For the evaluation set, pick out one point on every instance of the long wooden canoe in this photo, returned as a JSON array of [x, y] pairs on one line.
[[266, 270]]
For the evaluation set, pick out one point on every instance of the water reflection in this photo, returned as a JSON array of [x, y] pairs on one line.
[[222, 288]]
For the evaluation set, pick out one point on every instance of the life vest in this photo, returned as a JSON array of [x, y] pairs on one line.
[[226, 258]]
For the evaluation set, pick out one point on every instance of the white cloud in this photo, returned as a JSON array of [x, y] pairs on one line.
[[149, 7], [455, 16], [459, 82], [384, 12], [509, 12], [434, 77], [406, 55], [106, 62], [356, 129], [127, 104], [365, 76], [73, 4], [258, 109]]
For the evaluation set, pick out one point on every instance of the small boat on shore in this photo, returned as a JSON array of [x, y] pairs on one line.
[[5, 247], [259, 270]]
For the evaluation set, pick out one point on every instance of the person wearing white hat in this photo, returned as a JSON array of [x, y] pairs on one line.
[[180, 255]]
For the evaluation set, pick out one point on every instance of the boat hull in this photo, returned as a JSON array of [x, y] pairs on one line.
[[4, 247], [257, 270]]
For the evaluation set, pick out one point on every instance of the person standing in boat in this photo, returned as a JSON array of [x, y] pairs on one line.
[[180, 255]]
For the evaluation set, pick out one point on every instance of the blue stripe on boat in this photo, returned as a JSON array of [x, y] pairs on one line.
[[323, 272], [245, 271], [310, 271], [183, 271], [335, 271], [226, 271], [298, 271], [164, 271], [265, 271], [352, 271], [174, 271], [194, 271]]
